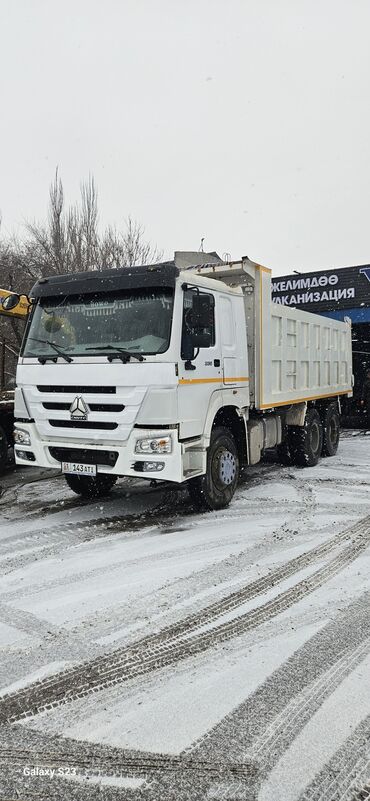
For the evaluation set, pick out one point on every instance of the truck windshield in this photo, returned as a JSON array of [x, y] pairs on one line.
[[137, 320]]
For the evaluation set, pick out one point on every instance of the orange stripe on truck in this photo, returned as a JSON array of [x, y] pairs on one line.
[[290, 402], [219, 380]]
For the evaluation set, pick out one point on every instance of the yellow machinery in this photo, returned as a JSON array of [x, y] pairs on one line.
[[17, 306], [20, 309]]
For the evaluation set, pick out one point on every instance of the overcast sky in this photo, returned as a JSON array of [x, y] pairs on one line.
[[246, 122]]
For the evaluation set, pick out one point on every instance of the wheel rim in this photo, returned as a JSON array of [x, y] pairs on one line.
[[224, 468]]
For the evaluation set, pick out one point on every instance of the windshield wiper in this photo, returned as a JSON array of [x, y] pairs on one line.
[[126, 353], [43, 359]]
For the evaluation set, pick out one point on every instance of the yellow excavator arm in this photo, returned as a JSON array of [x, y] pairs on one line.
[[21, 309]]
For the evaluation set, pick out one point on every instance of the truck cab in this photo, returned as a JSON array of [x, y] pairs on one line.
[[121, 372]]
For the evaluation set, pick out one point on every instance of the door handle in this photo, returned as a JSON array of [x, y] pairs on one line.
[[216, 362]]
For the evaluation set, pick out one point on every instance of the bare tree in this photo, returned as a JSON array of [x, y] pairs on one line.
[[71, 242], [82, 234], [128, 247], [68, 241], [137, 249], [45, 246], [53, 239]]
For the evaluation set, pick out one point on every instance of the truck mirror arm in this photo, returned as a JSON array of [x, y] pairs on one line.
[[189, 362]]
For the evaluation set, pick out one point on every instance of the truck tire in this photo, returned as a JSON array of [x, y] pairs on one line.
[[216, 488], [4, 445], [306, 441], [90, 486], [331, 423], [284, 450]]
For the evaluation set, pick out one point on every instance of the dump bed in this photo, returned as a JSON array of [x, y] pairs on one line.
[[303, 357], [294, 356]]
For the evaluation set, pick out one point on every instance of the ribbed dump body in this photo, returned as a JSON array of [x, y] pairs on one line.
[[294, 356]]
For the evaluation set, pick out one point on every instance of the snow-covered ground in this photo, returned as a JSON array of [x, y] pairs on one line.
[[148, 652]]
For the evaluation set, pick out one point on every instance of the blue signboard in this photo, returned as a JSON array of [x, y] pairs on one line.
[[335, 292]]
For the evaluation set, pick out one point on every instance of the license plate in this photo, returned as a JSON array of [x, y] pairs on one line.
[[79, 469]]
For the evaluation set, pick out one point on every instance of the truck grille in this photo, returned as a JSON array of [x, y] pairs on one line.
[[84, 456], [78, 390], [85, 424], [109, 418], [94, 407]]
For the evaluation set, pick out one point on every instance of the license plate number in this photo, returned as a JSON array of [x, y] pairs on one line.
[[79, 469]]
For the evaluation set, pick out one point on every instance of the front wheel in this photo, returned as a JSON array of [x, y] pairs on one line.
[[216, 488], [90, 486]]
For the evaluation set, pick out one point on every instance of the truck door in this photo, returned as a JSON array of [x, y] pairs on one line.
[[230, 347], [200, 370]]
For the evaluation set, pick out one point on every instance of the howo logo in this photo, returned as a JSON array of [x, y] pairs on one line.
[[79, 409], [366, 271]]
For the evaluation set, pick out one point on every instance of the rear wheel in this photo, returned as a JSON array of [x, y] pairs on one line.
[[216, 488], [284, 450], [90, 486], [306, 441], [331, 433]]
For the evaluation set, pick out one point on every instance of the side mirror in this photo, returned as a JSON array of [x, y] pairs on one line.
[[201, 339], [17, 306], [10, 302], [201, 311]]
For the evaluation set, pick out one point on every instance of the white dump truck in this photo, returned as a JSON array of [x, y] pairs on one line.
[[180, 372]]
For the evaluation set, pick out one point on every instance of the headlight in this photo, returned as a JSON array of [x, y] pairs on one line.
[[21, 437], [154, 445]]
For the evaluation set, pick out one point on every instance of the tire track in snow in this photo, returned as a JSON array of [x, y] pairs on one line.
[[140, 765], [36, 544], [280, 734], [346, 777], [264, 726], [26, 621], [213, 580], [24, 747], [164, 514], [363, 794], [260, 585], [169, 647]]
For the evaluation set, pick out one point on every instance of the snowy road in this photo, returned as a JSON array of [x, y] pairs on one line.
[[148, 652]]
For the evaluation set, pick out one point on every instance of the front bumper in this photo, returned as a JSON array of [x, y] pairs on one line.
[[128, 463]]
